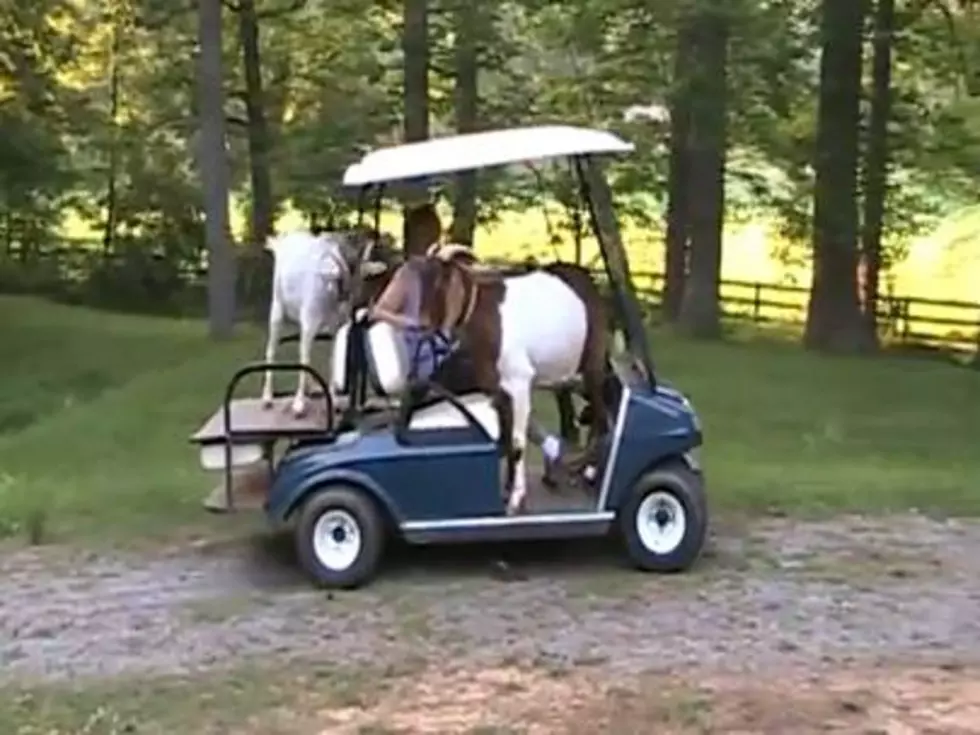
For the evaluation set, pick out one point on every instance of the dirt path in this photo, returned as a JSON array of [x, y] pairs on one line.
[[855, 700], [771, 596]]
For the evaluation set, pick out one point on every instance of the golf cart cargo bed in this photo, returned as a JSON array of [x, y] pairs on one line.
[[252, 422]]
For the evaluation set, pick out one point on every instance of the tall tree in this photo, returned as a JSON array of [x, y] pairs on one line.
[[678, 184], [112, 168], [700, 313], [876, 163], [415, 49], [214, 170], [254, 271], [834, 321], [262, 208], [466, 104]]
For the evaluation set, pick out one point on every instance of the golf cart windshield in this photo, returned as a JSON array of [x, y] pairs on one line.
[[471, 151]]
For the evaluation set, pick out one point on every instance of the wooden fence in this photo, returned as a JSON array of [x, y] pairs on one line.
[[948, 324]]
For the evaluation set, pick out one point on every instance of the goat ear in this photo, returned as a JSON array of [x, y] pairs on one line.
[[372, 268]]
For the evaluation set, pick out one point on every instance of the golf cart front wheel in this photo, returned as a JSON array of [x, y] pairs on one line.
[[664, 524], [340, 537]]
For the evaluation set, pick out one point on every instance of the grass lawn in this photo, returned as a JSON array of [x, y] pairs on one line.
[[247, 699], [95, 410]]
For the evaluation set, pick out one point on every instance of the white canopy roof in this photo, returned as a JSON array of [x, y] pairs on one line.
[[479, 150]]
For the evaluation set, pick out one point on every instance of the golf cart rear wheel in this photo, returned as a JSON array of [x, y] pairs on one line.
[[664, 523], [340, 537]]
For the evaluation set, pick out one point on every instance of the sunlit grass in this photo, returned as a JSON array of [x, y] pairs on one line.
[[944, 265]]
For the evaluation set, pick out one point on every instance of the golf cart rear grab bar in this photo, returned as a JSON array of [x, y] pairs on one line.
[[275, 367], [242, 373]]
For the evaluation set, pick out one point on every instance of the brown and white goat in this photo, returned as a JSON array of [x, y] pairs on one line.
[[541, 328]]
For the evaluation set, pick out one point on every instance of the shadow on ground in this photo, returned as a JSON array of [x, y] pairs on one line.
[[269, 561]]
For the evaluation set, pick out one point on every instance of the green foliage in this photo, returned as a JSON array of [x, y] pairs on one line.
[[100, 96]]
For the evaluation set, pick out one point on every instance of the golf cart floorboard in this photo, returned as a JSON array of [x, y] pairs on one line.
[[544, 500]]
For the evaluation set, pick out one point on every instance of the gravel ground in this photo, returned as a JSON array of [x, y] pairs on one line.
[[765, 595]]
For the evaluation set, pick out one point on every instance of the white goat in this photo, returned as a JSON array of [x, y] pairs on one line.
[[308, 279]]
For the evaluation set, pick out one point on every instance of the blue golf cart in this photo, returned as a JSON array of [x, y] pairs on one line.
[[424, 465]]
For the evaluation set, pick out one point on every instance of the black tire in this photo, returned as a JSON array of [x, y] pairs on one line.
[[345, 507], [677, 490], [702, 496]]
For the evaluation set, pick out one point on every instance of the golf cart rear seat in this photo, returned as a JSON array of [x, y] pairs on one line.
[[388, 367]]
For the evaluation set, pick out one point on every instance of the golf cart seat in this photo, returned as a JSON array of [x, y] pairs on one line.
[[388, 367], [385, 360]]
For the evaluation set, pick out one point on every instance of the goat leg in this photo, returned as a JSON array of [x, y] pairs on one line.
[[519, 389], [276, 317], [566, 414], [504, 406], [593, 381], [309, 326]]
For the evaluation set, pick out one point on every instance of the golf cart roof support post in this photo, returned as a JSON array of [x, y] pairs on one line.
[[598, 198], [377, 208], [359, 396], [576, 213], [362, 193], [356, 367]]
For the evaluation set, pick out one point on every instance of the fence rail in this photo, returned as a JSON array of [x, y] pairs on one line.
[[951, 324], [948, 324]]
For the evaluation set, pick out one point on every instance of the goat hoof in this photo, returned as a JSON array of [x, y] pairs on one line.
[[299, 409], [517, 508], [267, 403]]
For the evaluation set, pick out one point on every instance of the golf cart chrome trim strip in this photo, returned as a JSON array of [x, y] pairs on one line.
[[452, 153], [617, 439], [489, 521]]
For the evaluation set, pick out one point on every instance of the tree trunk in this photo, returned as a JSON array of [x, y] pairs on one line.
[[676, 241], [215, 174], [467, 62], [415, 47], [111, 196], [700, 314], [259, 143], [255, 267], [834, 322], [876, 164]]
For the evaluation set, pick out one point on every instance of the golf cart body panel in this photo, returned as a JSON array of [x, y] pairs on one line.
[[405, 472], [652, 427]]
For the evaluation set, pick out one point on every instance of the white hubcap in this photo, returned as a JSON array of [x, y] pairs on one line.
[[661, 522], [336, 540]]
